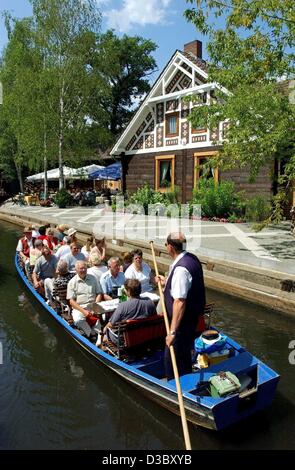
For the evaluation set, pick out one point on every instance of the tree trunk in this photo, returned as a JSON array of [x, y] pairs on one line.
[[61, 138], [20, 177], [45, 166]]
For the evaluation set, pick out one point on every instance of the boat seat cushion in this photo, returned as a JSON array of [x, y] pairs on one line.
[[131, 333]]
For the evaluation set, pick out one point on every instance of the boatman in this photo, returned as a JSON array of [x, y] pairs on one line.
[[184, 295]]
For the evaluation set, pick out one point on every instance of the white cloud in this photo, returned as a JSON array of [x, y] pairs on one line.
[[138, 12]]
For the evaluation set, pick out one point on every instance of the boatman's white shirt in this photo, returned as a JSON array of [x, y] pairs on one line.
[[181, 280]]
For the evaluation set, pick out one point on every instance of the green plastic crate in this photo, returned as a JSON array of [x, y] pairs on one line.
[[223, 384]]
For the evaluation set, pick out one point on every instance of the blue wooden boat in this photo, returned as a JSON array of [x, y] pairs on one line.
[[202, 409]]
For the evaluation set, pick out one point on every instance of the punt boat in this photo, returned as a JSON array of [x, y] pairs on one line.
[[202, 409]]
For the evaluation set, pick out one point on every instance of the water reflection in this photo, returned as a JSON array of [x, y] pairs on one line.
[[50, 341]]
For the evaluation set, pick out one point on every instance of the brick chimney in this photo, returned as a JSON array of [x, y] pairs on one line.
[[195, 48]]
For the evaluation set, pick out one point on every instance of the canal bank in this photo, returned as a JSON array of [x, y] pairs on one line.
[[257, 284]]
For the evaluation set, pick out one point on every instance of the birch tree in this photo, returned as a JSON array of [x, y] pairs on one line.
[[65, 29]]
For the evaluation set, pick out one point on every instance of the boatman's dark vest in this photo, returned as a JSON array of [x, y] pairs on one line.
[[196, 298]]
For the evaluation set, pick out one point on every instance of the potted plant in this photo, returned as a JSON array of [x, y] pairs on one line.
[[62, 198]]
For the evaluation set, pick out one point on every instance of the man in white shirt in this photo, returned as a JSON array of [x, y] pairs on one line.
[[83, 292], [184, 295], [64, 249]]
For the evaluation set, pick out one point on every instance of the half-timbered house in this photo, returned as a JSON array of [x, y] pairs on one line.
[[160, 146]]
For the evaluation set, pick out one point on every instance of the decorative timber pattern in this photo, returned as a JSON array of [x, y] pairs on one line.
[[130, 143], [173, 82], [140, 129], [185, 82], [160, 136], [172, 142], [149, 141], [139, 144], [149, 117], [171, 105], [187, 67], [214, 133], [185, 130], [199, 138], [151, 126], [160, 113], [184, 109]]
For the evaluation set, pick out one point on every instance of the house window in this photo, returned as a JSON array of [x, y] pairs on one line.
[[203, 169], [199, 130], [172, 125], [165, 173]]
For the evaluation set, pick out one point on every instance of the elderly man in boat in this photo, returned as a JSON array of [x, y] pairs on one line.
[[112, 279], [74, 256], [24, 244], [45, 268], [83, 292], [133, 308]]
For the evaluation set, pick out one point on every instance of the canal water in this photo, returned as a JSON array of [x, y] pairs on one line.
[[53, 396]]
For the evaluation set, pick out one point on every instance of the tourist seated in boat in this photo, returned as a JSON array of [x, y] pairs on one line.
[[74, 256], [64, 249], [83, 292], [24, 244], [61, 229], [50, 240], [35, 251], [141, 271], [45, 267], [100, 247], [86, 249], [97, 269], [35, 232], [71, 234], [134, 307], [60, 283], [112, 279], [42, 231], [127, 260]]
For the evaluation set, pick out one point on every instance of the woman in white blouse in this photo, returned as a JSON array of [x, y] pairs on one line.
[[86, 249], [141, 271]]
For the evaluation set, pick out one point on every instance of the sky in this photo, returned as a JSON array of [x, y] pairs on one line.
[[161, 21]]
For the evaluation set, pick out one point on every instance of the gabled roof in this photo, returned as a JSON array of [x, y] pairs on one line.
[[202, 64], [198, 65]]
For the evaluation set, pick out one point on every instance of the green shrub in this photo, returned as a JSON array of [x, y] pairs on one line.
[[257, 209], [63, 198], [218, 200], [146, 196]]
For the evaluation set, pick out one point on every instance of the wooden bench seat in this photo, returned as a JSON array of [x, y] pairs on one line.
[[129, 335]]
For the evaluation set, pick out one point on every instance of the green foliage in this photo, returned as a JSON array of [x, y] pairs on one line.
[[258, 209], [250, 49], [68, 91], [217, 200], [63, 198], [121, 68], [146, 196]]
